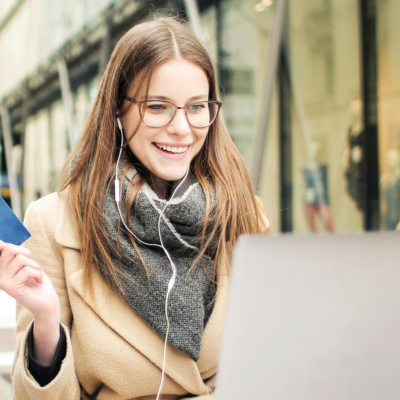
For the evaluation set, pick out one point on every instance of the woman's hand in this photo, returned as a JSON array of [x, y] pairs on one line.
[[22, 278]]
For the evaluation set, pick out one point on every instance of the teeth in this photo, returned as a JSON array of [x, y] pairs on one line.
[[172, 149]]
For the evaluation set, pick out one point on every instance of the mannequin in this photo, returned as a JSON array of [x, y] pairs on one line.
[[390, 184], [353, 156], [316, 197]]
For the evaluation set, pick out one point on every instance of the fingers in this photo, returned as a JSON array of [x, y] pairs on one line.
[[18, 284], [19, 262], [12, 248], [9, 251], [24, 274], [13, 260]]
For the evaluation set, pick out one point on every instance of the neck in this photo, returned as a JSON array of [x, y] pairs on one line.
[[356, 128], [160, 186]]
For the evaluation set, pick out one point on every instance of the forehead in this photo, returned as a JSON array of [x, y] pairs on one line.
[[179, 80]]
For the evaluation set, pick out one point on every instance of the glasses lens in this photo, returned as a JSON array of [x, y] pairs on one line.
[[201, 114], [157, 113]]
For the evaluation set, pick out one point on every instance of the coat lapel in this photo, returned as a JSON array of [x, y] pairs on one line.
[[126, 322], [66, 233], [212, 336]]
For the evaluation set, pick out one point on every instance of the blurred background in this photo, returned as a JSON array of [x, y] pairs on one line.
[[311, 93]]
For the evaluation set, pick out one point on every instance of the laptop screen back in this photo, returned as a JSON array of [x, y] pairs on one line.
[[313, 317]]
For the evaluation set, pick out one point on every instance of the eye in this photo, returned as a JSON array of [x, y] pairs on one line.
[[196, 107], [156, 107]]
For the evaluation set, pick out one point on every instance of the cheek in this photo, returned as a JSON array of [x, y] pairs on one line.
[[131, 124], [141, 140], [201, 135]]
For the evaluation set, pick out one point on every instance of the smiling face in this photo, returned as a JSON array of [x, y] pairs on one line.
[[168, 151]]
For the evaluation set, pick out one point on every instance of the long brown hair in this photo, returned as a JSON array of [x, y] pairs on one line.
[[219, 167]]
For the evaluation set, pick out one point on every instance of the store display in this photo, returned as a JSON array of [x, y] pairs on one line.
[[316, 198], [391, 190], [313, 195], [354, 166]]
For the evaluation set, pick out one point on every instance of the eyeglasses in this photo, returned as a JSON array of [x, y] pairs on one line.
[[158, 113]]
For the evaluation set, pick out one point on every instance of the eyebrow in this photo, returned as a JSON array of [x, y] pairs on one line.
[[160, 97]]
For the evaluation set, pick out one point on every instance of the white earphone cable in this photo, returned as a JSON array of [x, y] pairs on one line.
[[172, 280]]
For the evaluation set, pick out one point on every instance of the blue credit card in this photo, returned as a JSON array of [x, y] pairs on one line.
[[12, 230]]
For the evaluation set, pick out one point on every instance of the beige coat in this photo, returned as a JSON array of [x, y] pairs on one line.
[[112, 353]]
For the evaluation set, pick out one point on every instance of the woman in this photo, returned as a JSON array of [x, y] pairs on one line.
[[124, 277]]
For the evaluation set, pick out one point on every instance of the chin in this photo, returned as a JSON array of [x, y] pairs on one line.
[[172, 175]]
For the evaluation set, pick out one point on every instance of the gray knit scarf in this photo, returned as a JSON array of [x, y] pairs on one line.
[[190, 303]]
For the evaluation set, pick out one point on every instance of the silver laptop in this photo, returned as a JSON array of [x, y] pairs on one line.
[[313, 318]]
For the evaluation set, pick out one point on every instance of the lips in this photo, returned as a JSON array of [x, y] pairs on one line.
[[172, 149]]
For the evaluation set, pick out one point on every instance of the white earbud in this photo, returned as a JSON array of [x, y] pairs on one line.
[[172, 281]]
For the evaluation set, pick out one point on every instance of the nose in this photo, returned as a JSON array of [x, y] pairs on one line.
[[179, 124]]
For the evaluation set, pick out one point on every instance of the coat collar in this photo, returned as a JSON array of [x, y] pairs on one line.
[[123, 319], [66, 234]]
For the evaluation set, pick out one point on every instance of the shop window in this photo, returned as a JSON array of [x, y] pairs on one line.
[[324, 64], [388, 31]]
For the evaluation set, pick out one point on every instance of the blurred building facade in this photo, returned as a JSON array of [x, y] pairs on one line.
[[327, 158]]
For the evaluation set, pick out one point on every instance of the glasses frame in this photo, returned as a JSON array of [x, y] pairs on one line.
[[140, 102]]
